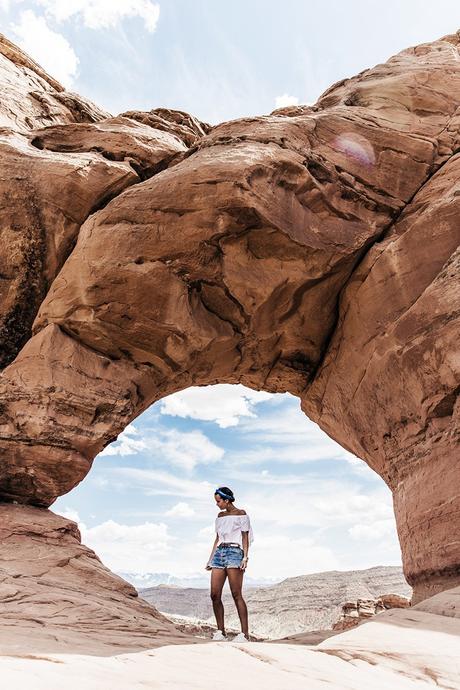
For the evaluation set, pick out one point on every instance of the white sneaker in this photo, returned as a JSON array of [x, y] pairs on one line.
[[219, 636], [240, 638]]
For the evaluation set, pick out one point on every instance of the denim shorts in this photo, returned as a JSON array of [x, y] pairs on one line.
[[227, 557]]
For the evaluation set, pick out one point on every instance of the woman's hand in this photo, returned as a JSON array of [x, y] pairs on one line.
[[244, 563]]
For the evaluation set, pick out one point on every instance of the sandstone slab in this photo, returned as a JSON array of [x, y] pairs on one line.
[[56, 594], [404, 650]]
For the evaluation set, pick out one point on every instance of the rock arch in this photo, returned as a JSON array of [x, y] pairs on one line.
[[312, 251]]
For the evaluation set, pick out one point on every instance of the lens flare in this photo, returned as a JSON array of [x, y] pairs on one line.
[[356, 147]]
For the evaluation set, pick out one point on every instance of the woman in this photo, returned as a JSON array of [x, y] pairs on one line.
[[229, 558]]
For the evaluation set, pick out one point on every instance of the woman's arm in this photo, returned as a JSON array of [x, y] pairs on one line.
[[245, 538], [212, 552]]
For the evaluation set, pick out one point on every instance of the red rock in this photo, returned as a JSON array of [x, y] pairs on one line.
[[394, 601], [310, 251], [47, 195], [56, 594], [31, 98], [359, 611]]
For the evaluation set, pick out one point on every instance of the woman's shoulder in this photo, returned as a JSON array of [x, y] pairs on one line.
[[223, 513]]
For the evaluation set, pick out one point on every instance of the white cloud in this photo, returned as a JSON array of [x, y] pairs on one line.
[[319, 525], [316, 521], [121, 547], [129, 442], [49, 48], [160, 483], [314, 525], [283, 423], [181, 509], [291, 453], [145, 548], [264, 477], [151, 548], [70, 514], [285, 434], [103, 14], [281, 555], [314, 503], [285, 100], [223, 404], [373, 531], [184, 449], [359, 466]]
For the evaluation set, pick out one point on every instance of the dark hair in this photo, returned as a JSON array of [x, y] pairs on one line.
[[228, 493]]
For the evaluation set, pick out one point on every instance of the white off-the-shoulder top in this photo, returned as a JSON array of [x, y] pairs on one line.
[[230, 527]]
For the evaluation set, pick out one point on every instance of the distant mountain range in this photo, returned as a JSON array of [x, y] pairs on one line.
[[295, 605], [199, 580]]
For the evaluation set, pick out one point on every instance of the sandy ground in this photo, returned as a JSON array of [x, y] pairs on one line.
[[400, 649]]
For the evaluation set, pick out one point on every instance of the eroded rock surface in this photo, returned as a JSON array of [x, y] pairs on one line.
[[297, 604], [356, 612], [311, 251], [54, 178], [63, 158], [57, 595], [404, 650], [31, 98]]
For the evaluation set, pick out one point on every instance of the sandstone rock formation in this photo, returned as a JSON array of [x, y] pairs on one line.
[[56, 594], [31, 98], [205, 629], [405, 650], [295, 605], [312, 251], [46, 195], [355, 612]]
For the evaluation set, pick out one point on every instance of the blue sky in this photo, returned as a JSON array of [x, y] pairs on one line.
[[147, 505], [214, 58]]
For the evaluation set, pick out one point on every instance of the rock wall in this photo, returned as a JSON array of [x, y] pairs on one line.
[[313, 251], [57, 596]]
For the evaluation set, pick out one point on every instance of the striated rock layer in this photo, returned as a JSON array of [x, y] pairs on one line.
[[313, 251], [356, 612], [55, 177], [415, 649], [295, 605], [56, 593]]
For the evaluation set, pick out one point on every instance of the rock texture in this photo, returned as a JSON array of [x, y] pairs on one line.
[[313, 251], [356, 612], [47, 194], [205, 629], [31, 98], [56, 594], [295, 605], [404, 650]]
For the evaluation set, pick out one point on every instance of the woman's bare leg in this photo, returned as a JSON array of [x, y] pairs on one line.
[[235, 580], [218, 577]]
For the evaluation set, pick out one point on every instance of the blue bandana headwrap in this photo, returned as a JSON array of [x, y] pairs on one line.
[[223, 494]]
